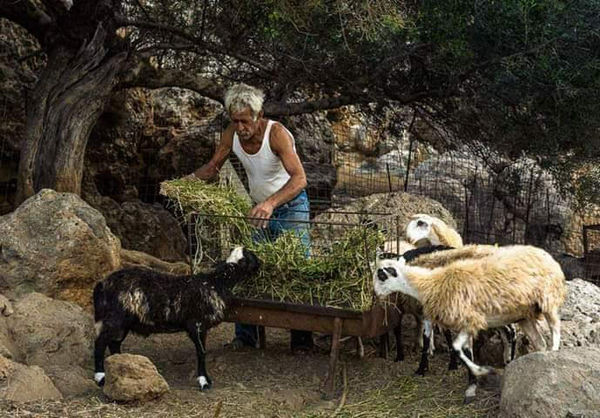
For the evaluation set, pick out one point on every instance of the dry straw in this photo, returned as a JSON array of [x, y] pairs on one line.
[[335, 275]]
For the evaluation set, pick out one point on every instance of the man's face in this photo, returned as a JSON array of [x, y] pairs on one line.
[[244, 124]]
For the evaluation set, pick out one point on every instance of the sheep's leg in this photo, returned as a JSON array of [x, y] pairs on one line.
[[553, 320], [453, 365], [529, 328], [399, 347], [508, 337], [427, 337], [459, 342], [471, 391], [198, 336]]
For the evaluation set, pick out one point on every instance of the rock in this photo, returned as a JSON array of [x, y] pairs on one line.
[[144, 227], [5, 306], [313, 135], [400, 205], [25, 383], [552, 384], [321, 180], [50, 332], [130, 258], [580, 315], [72, 380], [131, 377], [55, 242]]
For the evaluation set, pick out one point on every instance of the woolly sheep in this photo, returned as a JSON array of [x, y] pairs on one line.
[[146, 302], [513, 284]]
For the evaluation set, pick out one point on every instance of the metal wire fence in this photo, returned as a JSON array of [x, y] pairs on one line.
[[516, 204]]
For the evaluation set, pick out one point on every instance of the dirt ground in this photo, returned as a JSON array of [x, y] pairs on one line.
[[275, 383]]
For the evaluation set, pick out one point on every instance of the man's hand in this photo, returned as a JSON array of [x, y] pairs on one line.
[[263, 210]]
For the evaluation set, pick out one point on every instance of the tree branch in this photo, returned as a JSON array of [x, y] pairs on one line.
[[200, 44], [27, 14], [142, 74]]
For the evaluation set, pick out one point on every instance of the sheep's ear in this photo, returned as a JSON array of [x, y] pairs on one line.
[[401, 261]]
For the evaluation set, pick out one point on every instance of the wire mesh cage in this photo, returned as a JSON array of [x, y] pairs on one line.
[[323, 262]]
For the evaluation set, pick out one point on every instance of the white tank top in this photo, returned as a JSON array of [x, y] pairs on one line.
[[266, 173]]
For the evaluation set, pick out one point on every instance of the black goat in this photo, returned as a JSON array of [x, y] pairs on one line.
[[145, 302]]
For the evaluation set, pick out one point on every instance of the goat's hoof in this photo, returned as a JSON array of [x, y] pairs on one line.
[[397, 359], [204, 382], [453, 366], [468, 399], [420, 372], [99, 378]]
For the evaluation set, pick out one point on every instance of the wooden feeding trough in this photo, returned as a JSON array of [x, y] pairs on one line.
[[376, 322]]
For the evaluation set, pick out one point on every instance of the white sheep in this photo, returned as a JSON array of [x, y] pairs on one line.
[[423, 230], [512, 284]]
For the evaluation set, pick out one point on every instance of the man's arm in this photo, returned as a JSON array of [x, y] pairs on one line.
[[211, 169], [281, 145]]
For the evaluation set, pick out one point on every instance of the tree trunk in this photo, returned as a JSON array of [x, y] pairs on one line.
[[62, 109]]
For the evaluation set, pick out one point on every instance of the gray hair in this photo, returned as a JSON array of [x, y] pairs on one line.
[[241, 96]]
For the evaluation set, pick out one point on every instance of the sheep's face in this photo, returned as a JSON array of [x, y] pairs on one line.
[[245, 259], [387, 276], [420, 231]]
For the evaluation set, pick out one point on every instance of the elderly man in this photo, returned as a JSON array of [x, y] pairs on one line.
[[276, 180]]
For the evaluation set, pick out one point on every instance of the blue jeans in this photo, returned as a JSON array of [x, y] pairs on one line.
[[292, 215]]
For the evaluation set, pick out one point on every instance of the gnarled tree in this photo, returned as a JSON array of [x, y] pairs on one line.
[[518, 75]]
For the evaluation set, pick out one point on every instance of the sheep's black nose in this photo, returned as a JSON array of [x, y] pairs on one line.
[[421, 223], [381, 275]]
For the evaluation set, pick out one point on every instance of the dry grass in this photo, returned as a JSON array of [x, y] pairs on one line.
[[275, 383]]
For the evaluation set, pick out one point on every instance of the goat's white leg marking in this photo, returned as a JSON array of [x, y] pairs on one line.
[[236, 255], [554, 323], [98, 377], [98, 327], [459, 342], [202, 381], [533, 334]]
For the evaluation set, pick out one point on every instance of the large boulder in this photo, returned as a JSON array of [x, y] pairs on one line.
[[131, 377], [144, 227], [25, 383], [55, 244], [553, 384], [48, 332], [580, 315], [399, 206]]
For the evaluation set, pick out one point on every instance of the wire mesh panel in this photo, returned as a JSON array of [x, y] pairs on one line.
[[324, 263]]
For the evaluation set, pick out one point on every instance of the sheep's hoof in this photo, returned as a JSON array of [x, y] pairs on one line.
[[468, 399], [453, 366], [204, 382], [399, 358]]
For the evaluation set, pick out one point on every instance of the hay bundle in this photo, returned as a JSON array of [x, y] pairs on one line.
[[336, 274]]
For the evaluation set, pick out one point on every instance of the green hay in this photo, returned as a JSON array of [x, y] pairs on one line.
[[336, 276], [211, 199]]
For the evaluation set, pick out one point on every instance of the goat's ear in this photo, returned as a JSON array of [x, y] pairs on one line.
[[401, 261]]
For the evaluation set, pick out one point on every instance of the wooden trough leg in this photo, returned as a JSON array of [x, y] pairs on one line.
[[262, 337], [333, 358]]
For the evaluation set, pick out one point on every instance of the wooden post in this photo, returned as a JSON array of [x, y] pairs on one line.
[[333, 358], [262, 337]]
